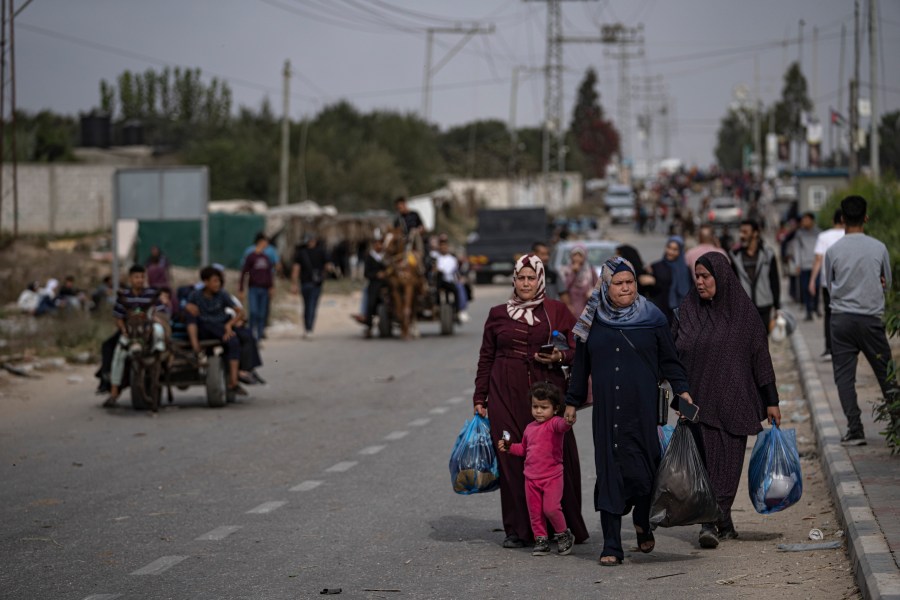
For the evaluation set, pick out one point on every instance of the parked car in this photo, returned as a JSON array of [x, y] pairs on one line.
[[620, 203], [724, 211], [598, 252]]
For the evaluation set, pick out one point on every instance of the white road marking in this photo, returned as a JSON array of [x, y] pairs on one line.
[[306, 486], [266, 507], [219, 533], [455, 400], [439, 410], [420, 422], [372, 450], [159, 565], [341, 466], [396, 435], [103, 597]]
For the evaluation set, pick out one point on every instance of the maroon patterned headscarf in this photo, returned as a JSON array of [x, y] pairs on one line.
[[523, 310], [725, 350]]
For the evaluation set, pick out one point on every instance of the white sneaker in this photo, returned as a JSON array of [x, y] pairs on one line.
[[464, 317]]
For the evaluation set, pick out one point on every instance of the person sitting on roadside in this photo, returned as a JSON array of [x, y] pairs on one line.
[[103, 294], [30, 299], [70, 296], [137, 297], [207, 319]]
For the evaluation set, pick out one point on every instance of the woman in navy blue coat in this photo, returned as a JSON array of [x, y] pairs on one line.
[[623, 342]]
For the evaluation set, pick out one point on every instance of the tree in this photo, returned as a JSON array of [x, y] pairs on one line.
[[733, 136], [794, 102], [173, 105], [476, 149], [595, 137]]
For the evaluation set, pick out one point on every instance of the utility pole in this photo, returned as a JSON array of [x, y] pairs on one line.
[[430, 71], [622, 38], [873, 88], [800, 45], [650, 89], [7, 25], [757, 126], [2, 101], [840, 145], [285, 135], [854, 96]]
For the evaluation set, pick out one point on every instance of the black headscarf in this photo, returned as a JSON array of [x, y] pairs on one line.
[[725, 352]]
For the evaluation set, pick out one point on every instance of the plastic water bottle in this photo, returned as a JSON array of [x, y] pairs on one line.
[[559, 341]]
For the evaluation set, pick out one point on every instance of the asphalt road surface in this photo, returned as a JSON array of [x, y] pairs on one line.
[[333, 476]]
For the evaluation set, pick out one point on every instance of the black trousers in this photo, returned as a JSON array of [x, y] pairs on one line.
[[826, 299], [612, 526], [850, 335]]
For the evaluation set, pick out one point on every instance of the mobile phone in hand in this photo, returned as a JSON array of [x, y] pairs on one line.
[[547, 349], [688, 411]]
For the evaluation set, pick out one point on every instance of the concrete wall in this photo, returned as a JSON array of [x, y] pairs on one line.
[[523, 193], [59, 198]]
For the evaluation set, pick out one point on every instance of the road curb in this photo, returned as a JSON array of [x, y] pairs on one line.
[[876, 573]]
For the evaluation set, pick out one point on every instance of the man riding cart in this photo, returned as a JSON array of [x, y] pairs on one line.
[[136, 299], [211, 314]]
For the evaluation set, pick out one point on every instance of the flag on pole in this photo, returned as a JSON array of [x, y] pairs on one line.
[[837, 118]]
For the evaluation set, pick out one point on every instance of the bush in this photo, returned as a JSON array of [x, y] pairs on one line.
[[884, 215]]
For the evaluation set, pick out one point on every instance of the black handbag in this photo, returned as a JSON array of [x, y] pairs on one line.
[[663, 394]]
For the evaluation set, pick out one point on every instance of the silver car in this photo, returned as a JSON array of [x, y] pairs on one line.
[[598, 252], [724, 211]]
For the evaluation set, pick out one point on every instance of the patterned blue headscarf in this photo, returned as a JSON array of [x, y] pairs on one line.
[[640, 314]]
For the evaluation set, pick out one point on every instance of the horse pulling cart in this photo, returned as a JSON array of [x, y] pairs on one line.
[[409, 295]]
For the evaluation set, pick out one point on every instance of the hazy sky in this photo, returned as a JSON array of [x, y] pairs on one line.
[[372, 52]]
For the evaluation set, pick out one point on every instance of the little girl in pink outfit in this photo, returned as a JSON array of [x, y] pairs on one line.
[[542, 447]]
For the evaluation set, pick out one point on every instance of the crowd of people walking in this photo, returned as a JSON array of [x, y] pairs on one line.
[[691, 319]]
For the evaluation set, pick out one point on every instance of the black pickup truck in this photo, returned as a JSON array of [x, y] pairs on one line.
[[502, 236]]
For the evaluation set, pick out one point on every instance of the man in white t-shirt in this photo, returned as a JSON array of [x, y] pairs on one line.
[[447, 267], [823, 242]]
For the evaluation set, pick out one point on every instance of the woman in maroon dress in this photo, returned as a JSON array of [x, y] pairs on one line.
[[508, 365]]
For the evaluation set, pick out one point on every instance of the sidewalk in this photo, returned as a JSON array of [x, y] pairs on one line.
[[864, 481]]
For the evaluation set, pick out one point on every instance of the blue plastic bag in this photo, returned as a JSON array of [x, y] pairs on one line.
[[774, 477], [473, 461], [665, 436]]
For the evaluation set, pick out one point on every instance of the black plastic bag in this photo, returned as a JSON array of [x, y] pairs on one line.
[[682, 492]]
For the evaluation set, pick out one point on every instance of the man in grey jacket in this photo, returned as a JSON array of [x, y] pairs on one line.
[[857, 274], [756, 267]]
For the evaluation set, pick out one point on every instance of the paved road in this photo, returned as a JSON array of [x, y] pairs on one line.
[[332, 476]]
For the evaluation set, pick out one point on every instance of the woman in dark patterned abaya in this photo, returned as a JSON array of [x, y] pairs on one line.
[[726, 355], [509, 363]]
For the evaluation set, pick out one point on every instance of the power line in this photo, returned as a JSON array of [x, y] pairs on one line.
[[118, 51]]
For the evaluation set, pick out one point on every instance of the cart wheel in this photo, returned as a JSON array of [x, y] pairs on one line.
[[215, 382], [385, 321], [140, 387], [447, 319]]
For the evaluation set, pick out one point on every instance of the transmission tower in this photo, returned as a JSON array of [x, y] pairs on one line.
[[554, 150], [628, 43]]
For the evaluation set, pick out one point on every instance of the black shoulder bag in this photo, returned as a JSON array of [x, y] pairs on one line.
[[663, 395]]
